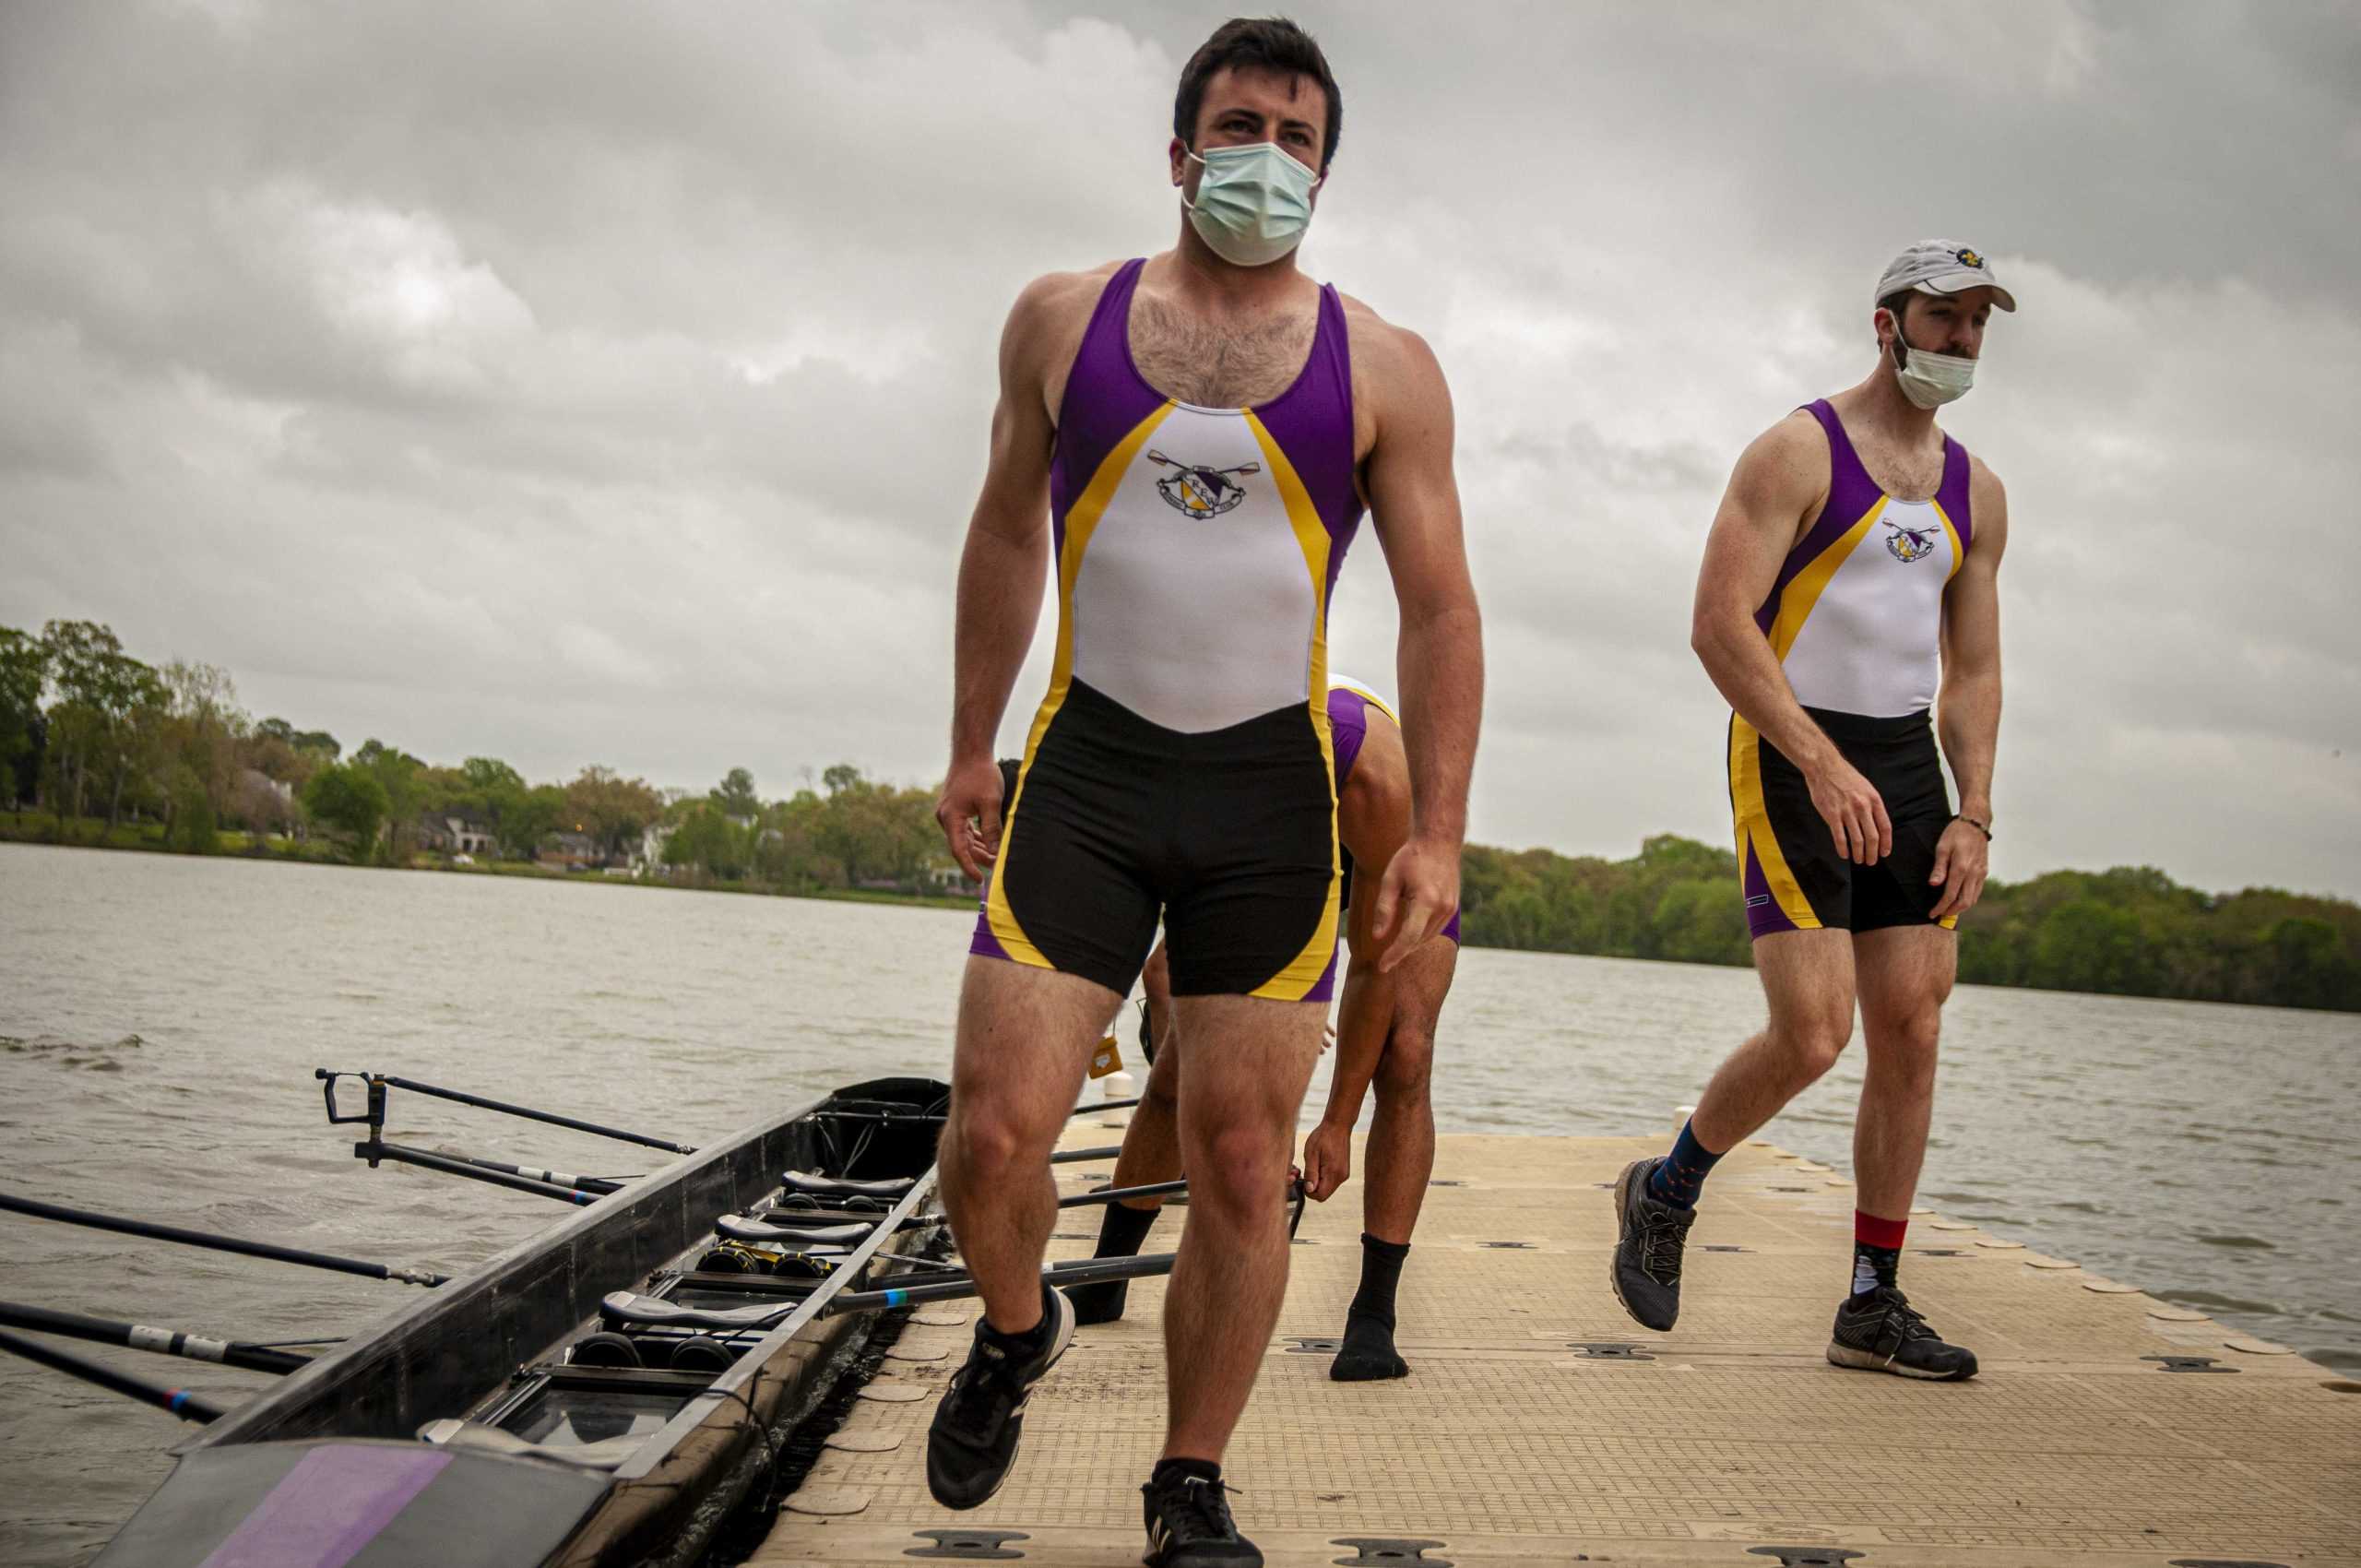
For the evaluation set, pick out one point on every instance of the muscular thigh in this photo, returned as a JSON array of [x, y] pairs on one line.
[[1808, 978], [1024, 1039], [1904, 974], [1245, 1061]]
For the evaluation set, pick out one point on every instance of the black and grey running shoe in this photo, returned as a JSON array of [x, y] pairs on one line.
[[973, 1439], [1645, 1270], [1189, 1526], [1880, 1331]]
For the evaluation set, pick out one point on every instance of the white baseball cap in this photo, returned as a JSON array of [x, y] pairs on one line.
[[1941, 267]]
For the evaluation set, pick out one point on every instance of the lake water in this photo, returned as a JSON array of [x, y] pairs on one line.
[[160, 1020]]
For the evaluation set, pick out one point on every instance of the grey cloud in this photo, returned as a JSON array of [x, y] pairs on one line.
[[581, 382]]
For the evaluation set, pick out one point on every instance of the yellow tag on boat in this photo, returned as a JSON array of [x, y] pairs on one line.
[[1107, 1058]]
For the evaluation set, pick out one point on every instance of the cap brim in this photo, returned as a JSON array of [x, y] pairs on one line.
[[1959, 282]]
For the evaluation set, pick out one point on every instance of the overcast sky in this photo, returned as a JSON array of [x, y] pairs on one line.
[[584, 383]]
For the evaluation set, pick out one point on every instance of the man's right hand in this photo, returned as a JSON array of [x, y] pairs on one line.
[[1327, 1161], [1852, 810], [968, 812]]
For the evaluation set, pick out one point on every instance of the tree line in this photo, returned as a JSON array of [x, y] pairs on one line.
[[89, 731], [2129, 931]]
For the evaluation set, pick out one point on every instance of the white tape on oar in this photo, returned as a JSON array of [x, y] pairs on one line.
[[169, 1342]]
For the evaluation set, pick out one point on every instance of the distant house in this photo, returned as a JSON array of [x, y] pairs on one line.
[[570, 851], [448, 833], [951, 881]]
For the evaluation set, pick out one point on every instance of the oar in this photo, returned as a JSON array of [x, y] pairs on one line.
[[155, 1232], [1079, 1271], [1112, 1195], [178, 1401], [507, 1108], [1080, 1156], [511, 1177], [161, 1341]]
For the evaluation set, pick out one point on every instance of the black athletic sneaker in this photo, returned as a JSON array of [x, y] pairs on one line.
[[973, 1439], [1189, 1526], [1880, 1331], [1645, 1270]]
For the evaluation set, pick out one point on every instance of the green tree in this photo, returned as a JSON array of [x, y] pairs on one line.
[[346, 798], [611, 809], [735, 796], [24, 673]]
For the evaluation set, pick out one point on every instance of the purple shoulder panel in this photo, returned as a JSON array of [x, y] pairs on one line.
[[1313, 422], [1348, 727], [1851, 492], [1952, 496], [1103, 398]]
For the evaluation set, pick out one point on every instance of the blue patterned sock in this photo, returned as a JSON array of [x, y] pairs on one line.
[[1678, 1180]]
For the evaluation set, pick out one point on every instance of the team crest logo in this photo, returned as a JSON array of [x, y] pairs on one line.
[[1910, 544], [1201, 492], [1970, 258]]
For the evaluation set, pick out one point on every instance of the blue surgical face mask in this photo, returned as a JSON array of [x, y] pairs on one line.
[[1253, 203]]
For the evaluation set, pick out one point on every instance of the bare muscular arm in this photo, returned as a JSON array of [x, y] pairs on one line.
[[1779, 480], [1968, 714], [1414, 501], [1001, 569]]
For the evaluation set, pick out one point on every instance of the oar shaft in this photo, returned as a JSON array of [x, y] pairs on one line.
[[154, 1232], [505, 1107], [1082, 1156], [178, 1401], [141, 1337], [1114, 1194], [474, 1170], [1080, 1271]]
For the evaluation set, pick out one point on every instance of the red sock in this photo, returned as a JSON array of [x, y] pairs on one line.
[[1871, 1231]]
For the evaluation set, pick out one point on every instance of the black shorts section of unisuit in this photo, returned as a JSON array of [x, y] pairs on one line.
[[1228, 835]]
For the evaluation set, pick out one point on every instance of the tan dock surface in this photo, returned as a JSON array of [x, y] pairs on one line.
[[1528, 1433]]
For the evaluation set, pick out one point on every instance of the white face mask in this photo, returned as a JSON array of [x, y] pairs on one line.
[[1253, 203], [1931, 380]]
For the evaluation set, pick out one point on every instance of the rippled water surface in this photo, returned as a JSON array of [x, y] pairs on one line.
[[160, 1020]]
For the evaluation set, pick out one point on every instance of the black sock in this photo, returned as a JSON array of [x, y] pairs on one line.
[[1033, 1341], [1175, 1469], [1121, 1229], [1873, 1266], [1368, 1353], [1380, 1272]]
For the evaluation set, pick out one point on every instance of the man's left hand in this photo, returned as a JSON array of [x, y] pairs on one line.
[[1963, 859], [1420, 890]]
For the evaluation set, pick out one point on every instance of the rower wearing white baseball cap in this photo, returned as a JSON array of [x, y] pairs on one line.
[[1850, 585]]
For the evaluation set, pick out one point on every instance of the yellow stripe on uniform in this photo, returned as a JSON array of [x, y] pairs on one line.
[[1303, 971], [1082, 518], [1959, 551], [1804, 591], [1753, 821]]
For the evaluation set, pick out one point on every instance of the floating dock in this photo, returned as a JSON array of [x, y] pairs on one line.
[[1539, 1425]]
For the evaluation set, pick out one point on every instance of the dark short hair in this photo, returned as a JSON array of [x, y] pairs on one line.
[[1270, 44], [1898, 301]]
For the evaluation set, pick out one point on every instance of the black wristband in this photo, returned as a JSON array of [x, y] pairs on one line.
[[1985, 828]]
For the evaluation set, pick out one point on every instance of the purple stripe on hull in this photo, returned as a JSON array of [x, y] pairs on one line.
[[330, 1506], [1764, 916], [1851, 492]]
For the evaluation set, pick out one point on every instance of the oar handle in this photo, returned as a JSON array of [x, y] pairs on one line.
[[178, 1401], [155, 1232]]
